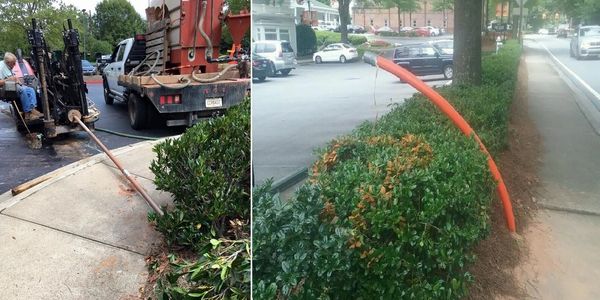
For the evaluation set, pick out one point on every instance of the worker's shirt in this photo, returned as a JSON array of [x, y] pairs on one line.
[[5, 71]]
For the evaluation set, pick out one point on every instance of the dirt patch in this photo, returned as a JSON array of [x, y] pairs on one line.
[[501, 252]]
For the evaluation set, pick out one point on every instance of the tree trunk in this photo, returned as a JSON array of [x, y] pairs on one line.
[[467, 42], [399, 20], [343, 9]]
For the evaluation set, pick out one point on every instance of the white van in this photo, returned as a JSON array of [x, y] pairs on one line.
[[279, 52]]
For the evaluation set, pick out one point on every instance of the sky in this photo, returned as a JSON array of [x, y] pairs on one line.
[[139, 5]]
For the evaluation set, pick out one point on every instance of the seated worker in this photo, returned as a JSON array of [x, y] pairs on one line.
[[27, 94]]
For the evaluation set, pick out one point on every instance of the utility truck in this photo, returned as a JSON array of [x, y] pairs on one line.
[[173, 71]]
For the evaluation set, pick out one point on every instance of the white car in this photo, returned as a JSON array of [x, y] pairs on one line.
[[543, 31], [336, 52], [384, 29], [433, 31]]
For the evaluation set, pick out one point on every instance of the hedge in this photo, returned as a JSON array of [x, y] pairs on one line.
[[393, 210], [325, 38], [207, 171], [305, 39]]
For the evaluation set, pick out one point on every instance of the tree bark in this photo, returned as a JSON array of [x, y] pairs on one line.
[[343, 9], [467, 42]]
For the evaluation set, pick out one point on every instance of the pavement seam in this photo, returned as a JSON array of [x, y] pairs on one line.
[[73, 234], [569, 210]]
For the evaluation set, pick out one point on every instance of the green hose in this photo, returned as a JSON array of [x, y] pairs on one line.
[[148, 138]]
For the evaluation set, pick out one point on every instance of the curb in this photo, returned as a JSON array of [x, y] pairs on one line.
[[7, 199], [289, 180]]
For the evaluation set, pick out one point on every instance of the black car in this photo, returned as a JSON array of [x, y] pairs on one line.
[[261, 67], [424, 59]]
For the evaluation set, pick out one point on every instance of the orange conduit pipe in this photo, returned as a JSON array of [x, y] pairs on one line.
[[456, 118]]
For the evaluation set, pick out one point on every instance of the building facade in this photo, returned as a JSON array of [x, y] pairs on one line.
[[425, 16], [274, 22]]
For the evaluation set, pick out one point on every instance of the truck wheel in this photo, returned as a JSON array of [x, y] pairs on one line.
[[108, 98], [138, 111], [285, 72]]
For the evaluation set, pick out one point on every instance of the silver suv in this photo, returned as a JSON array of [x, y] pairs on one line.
[[279, 52], [586, 42]]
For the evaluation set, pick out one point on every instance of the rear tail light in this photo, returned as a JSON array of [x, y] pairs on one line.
[[170, 99]]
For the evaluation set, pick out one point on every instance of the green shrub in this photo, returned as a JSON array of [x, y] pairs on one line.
[[385, 33], [305, 39], [325, 38], [357, 39], [393, 210], [207, 170]]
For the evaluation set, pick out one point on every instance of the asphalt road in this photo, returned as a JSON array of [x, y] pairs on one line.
[[586, 69], [20, 164], [293, 115]]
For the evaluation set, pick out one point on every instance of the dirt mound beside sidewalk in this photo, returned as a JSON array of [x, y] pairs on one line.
[[501, 252]]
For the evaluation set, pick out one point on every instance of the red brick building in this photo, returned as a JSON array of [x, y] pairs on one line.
[[426, 16]]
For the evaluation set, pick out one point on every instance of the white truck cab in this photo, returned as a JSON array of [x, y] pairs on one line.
[[121, 63]]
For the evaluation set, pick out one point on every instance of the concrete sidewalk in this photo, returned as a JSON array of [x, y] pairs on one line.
[[82, 234], [564, 239]]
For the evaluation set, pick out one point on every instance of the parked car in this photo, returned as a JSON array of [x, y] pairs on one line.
[[562, 33], [101, 62], [543, 31], [406, 29], [87, 67], [585, 42], [261, 67], [279, 52], [433, 31], [335, 52], [444, 46], [384, 29], [427, 31], [356, 29], [424, 59]]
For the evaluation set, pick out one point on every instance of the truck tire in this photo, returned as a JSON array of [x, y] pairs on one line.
[[285, 72], [138, 111], [108, 98]]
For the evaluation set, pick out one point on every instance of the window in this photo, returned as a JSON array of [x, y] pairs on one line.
[[400, 24], [414, 51], [401, 52], [414, 23], [385, 23], [287, 48], [121, 53], [270, 34], [428, 22], [284, 34], [427, 52], [264, 48]]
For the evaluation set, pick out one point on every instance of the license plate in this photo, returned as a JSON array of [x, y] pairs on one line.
[[214, 102]]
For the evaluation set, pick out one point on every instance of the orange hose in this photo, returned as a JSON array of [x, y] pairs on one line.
[[456, 118]]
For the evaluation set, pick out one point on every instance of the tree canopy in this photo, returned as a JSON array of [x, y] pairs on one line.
[[117, 20], [52, 17]]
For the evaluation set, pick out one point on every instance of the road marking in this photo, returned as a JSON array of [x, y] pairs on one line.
[[585, 85]]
